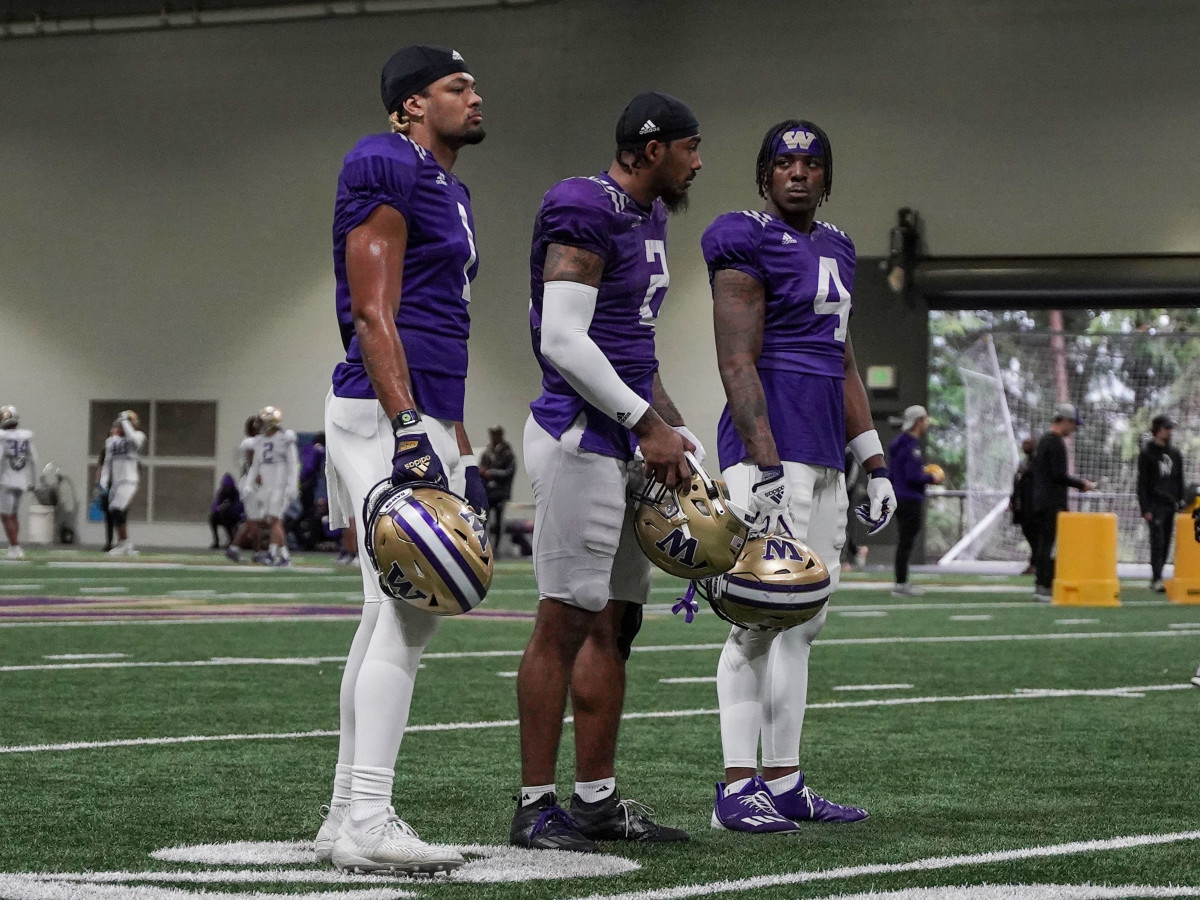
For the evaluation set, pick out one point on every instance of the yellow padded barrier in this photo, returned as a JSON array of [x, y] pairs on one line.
[[1185, 586], [1085, 571]]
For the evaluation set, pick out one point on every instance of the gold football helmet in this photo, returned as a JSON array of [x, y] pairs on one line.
[[9, 417], [936, 471], [777, 582], [689, 531], [126, 415], [429, 547], [269, 417]]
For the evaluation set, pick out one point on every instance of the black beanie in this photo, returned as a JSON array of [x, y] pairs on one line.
[[655, 117], [412, 69]]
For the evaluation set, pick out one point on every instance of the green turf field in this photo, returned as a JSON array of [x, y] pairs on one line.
[[991, 738]]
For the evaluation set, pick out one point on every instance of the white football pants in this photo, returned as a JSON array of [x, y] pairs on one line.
[[377, 684], [762, 677]]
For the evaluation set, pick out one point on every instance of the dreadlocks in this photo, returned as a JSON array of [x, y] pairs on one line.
[[766, 154]]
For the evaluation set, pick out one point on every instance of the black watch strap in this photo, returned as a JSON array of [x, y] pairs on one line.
[[406, 418]]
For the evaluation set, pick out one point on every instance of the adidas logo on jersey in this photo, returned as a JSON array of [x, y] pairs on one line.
[[441, 179], [648, 127], [787, 239]]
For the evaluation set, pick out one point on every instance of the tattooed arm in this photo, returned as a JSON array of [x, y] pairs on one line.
[[739, 309]]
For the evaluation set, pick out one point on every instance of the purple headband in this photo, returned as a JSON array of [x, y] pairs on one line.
[[798, 140]]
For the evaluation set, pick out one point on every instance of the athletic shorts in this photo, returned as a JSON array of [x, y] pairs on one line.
[[817, 506], [120, 495], [585, 551], [359, 447], [274, 501], [252, 501], [10, 500]]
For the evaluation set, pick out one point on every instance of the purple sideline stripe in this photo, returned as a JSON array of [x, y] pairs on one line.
[[432, 559]]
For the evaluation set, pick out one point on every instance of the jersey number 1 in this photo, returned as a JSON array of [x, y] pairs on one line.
[[462, 214], [840, 307]]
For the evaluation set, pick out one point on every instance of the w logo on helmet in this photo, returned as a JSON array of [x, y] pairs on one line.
[[679, 546], [477, 526], [778, 548], [798, 139], [400, 586]]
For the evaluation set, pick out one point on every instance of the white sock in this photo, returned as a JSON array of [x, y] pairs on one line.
[[273, 551], [370, 791], [530, 795], [341, 785], [734, 786], [594, 791], [783, 784]]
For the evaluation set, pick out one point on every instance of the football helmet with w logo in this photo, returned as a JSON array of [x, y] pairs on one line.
[[689, 531], [776, 582], [429, 547]]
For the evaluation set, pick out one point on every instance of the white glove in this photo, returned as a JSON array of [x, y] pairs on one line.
[[768, 512], [687, 435], [881, 505]]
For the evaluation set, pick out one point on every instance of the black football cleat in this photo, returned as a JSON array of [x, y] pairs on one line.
[[614, 819], [544, 825]]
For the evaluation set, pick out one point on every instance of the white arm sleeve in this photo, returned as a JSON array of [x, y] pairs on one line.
[[106, 469], [138, 437], [567, 310]]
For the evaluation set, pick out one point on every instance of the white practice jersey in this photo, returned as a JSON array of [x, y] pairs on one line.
[[245, 452], [276, 464], [121, 456], [18, 459]]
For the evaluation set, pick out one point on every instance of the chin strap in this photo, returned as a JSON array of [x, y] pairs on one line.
[[688, 604]]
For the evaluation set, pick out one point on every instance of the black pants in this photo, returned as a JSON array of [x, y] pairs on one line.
[[495, 521], [1029, 528], [910, 516], [1043, 557], [1162, 524]]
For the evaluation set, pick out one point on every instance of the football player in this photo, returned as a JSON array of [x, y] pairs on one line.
[[18, 465], [249, 533], [119, 475], [598, 279], [781, 284], [404, 258], [271, 480]]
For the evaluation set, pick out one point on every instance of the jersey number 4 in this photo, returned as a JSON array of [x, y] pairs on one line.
[[840, 307]]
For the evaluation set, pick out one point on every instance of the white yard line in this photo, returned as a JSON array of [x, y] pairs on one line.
[[85, 656], [659, 648], [704, 679], [983, 617], [188, 567], [873, 687], [920, 865], [1018, 694]]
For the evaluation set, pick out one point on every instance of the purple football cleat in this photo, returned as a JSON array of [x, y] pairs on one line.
[[802, 804], [750, 809]]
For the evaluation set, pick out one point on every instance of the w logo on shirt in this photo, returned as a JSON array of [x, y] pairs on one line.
[[798, 139]]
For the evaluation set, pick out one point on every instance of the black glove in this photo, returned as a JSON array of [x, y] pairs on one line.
[[414, 460], [1196, 519], [475, 491]]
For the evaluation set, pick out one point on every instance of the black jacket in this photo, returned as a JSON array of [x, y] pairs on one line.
[[1050, 477], [1160, 477]]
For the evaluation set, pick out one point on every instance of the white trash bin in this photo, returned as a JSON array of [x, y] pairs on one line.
[[40, 527]]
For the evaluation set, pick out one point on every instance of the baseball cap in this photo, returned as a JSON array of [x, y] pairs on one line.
[[654, 116], [912, 415], [1161, 421], [412, 69], [1067, 411]]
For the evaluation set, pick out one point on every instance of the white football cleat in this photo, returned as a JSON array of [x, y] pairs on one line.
[[15, 552], [386, 843], [125, 548], [327, 835]]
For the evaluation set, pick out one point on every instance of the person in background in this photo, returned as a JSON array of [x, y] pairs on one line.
[[1050, 483], [18, 468], [497, 466], [1020, 502], [906, 462], [119, 476], [226, 511], [249, 532], [1160, 493]]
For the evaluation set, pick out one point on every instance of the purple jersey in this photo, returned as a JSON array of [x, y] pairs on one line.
[[596, 215], [807, 281], [439, 263]]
